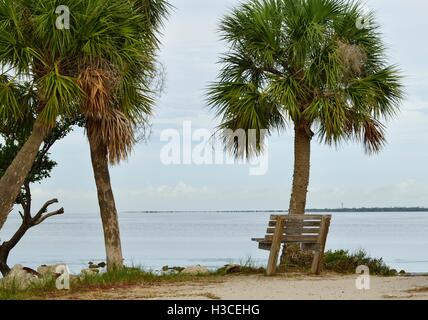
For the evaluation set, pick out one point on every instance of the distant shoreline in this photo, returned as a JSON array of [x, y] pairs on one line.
[[392, 209], [338, 210]]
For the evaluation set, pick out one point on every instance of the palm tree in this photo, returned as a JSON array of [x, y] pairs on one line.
[[119, 97], [307, 63], [26, 56], [108, 57]]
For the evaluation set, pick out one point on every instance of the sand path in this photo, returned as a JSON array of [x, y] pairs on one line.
[[276, 288]]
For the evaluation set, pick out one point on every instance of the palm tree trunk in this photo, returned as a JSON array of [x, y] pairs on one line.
[[107, 204], [302, 155], [14, 177]]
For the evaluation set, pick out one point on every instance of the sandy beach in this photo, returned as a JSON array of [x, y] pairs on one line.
[[283, 287]]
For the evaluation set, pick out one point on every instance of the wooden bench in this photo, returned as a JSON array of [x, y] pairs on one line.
[[309, 230]]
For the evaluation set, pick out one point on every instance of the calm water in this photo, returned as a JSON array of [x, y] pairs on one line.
[[213, 239]]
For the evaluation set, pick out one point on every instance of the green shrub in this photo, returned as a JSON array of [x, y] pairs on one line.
[[342, 261]]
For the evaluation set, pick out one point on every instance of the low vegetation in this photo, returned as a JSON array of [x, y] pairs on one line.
[[120, 278], [339, 261], [245, 267], [342, 261], [13, 291]]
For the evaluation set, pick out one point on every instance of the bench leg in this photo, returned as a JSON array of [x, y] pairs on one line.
[[319, 254], [272, 263], [316, 263], [275, 248]]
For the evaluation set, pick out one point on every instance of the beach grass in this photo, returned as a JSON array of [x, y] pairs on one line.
[[246, 267], [135, 275], [13, 291]]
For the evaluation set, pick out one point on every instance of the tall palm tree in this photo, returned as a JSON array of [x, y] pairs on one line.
[[103, 67], [308, 63], [118, 95]]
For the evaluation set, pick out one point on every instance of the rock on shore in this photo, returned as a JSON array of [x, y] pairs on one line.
[[20, 277], [195, 270]]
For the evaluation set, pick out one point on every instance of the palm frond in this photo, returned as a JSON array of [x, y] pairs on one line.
[[116, 132], [98, 85], [58, 94]]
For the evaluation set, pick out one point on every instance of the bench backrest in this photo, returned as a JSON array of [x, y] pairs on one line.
[[300, 228]]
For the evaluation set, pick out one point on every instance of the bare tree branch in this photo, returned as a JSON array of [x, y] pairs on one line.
[[50, 214], [27, 208], [44, 209], [26, 224]]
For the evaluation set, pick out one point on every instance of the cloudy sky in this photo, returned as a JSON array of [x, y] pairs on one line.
[[396, 177]]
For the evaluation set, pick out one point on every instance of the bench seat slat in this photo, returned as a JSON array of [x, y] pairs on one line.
[[299, 217], [297, 238], [296, 230], [272, 223], [258, 239], [302, 239]]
